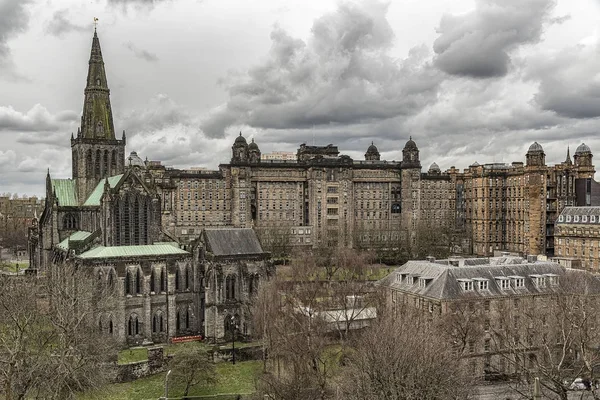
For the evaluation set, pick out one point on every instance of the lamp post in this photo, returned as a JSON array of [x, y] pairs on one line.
[[167, 384], [233, 327]]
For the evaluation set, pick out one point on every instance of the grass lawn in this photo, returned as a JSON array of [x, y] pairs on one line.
[[12, 266], [133, 354], [234, 379]]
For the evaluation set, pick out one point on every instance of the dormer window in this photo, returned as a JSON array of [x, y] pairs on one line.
[[414, 279], [423, 282], [518, 282], [538, 280], [398, 278], [552, 279], [592, 219], [503, 282], [576, 218], [466, 284], [568, 218], [481, 283], [561, 218], [584, 218]]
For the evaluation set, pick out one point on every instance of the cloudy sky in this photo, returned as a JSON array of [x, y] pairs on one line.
[[470, 80]]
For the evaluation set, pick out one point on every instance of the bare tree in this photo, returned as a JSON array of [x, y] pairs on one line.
[[553, 337], [50, 344], [192, 366], [402, 359]]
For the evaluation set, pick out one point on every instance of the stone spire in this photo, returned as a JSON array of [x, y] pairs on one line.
[[97, 120], [568, 160]]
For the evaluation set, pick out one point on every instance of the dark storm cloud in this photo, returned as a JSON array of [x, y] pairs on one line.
[[478, 44], [14, 18], [140, 53], [60, 24], [568, 81], [342, 75]]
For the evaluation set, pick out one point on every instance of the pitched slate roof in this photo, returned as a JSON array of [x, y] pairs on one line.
[[132, 251], [569, 214], [77, 236], [232, 242], [443, 282], [96, 195], [66, 192]]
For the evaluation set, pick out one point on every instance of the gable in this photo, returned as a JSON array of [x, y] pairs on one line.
[[66, 193], [96, 195], [232, 242]]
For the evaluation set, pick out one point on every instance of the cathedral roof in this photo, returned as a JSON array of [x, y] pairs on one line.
[[162, 249], [66, 192], [78, 236], [96, 195], [233, 242], [583, 148]]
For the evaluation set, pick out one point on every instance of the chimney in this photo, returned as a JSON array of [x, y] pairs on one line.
[[430, 259]]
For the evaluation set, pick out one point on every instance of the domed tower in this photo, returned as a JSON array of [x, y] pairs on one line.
[[240, 150], [434, 169], [253, 152], [372, 153], [535, 155], [134, 161], [583, 161], [410, 155], [583, 156]]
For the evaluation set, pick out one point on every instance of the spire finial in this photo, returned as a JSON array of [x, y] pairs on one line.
[[410, 137], [95, 24], [240, 133], [372, 143]]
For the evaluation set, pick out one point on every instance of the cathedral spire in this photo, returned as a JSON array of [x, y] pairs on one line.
[[568, 160], [97, 121]]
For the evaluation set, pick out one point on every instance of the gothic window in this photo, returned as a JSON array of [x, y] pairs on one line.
[[110, 326], [89, 164], [157, 322], [99, 129], [188, 277], [111, 279], [100, 325], [187, 318], [97, 81], [105, 171], [97, 163], [74, 167], [70, 222], [117, 210], [145, 206], [152, 277], [126, 221], [133, 325], [177, 279], [138, 282], [230, 287], [113, 162], [162, 280], [127, 283], [136, 221]]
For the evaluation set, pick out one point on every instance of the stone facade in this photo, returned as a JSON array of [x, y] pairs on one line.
[[577, 237]]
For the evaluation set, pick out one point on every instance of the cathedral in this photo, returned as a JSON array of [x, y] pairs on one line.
[[107, 219]]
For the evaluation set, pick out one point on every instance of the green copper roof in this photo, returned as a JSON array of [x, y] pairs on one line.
[[96, 195], [133, 251], [65, 192], [77, 236]]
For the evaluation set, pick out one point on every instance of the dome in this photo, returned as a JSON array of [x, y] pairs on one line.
[[583, 148], [252, 145], [240, 139], [135, 161], [410, 144], [475, 164], [372, 149], [434, 167], [535, 148]]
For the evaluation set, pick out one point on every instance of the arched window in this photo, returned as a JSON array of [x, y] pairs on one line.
[[97, 163], [70, 222], [100, 328], [105, 164], [232, 291], [187, 318], [127, 283], [136, 221], [133, 325], [89, 164], [177, 322], [163, 282], [177, 278], [113, 163], [188, 277], [110, 326], [138, 282], [228, 287], [152, 288], [111, 279]]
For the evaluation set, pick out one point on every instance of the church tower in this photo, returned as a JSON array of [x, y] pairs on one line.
[[96, 153]]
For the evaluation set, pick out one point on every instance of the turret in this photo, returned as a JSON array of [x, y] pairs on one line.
[[239, 150], [410, 155], [535, 155], [372, 153], [253, 152], [583, 156]]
